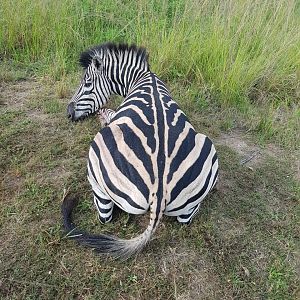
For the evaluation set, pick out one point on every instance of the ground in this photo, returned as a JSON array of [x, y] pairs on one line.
[[244, 243]]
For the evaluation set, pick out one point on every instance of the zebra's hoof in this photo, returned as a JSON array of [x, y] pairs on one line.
[[186, 223], [104, 220]]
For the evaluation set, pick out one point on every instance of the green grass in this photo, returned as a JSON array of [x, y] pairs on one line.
[[233, 66], [234, 47], [243, 54], [243, 244]]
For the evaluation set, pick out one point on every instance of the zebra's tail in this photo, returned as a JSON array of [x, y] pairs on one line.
[[108, 244]]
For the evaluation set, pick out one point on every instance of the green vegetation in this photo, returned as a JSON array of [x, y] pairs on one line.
[[242, 244], [241, 53], [234, 68], [232, 46]]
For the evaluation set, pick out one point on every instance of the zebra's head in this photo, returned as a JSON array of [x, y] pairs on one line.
[[108, 69], [94, 89]]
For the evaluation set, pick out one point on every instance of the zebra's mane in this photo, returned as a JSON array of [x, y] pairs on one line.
[[87, 56]]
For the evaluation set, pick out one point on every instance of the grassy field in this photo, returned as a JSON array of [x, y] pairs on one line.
[[239, 53], [234, 68]]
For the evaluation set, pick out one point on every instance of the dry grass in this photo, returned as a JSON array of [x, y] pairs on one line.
[[242, 245]]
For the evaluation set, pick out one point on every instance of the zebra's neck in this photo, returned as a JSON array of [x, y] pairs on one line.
[[136, 83], [127, 71]]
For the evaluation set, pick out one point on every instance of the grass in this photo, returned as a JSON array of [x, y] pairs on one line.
[[242, 245], [233, 47], [243, 54], [234, 67]]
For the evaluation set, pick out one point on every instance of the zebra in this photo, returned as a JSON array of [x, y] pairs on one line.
[[148, 155]]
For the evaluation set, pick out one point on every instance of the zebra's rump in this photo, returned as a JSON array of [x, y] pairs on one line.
[[123, 164], [122, 173], [195, 176]]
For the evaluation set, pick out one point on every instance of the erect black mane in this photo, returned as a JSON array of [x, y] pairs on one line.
[[87, 56]]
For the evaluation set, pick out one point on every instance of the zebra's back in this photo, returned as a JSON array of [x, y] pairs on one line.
[[149, 148]]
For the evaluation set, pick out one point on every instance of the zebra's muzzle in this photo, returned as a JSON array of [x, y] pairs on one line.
[[71, 111]]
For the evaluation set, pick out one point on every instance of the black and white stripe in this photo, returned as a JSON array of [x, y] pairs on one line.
[[109, 69], [148, 157]]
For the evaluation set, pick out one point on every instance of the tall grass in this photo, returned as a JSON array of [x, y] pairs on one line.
[[233, 47]]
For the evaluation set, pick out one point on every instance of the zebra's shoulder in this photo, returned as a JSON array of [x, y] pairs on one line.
[[203, 137]]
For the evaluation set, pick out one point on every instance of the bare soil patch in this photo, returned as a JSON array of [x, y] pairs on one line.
[[251, 155], [15, 94]]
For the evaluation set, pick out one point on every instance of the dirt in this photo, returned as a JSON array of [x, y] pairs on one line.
[[251, 155], [15, 95], [297, 167]]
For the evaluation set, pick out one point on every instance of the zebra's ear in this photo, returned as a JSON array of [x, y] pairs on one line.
[[96, 61]]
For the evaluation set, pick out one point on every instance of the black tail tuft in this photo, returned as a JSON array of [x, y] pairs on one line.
[[101, 243], [68, 204]]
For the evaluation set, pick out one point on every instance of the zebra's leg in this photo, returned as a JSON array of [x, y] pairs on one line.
[[104, 207], [187, 218], [105, 115]]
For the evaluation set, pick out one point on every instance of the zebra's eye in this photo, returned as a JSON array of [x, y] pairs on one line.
[[87, 84]]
